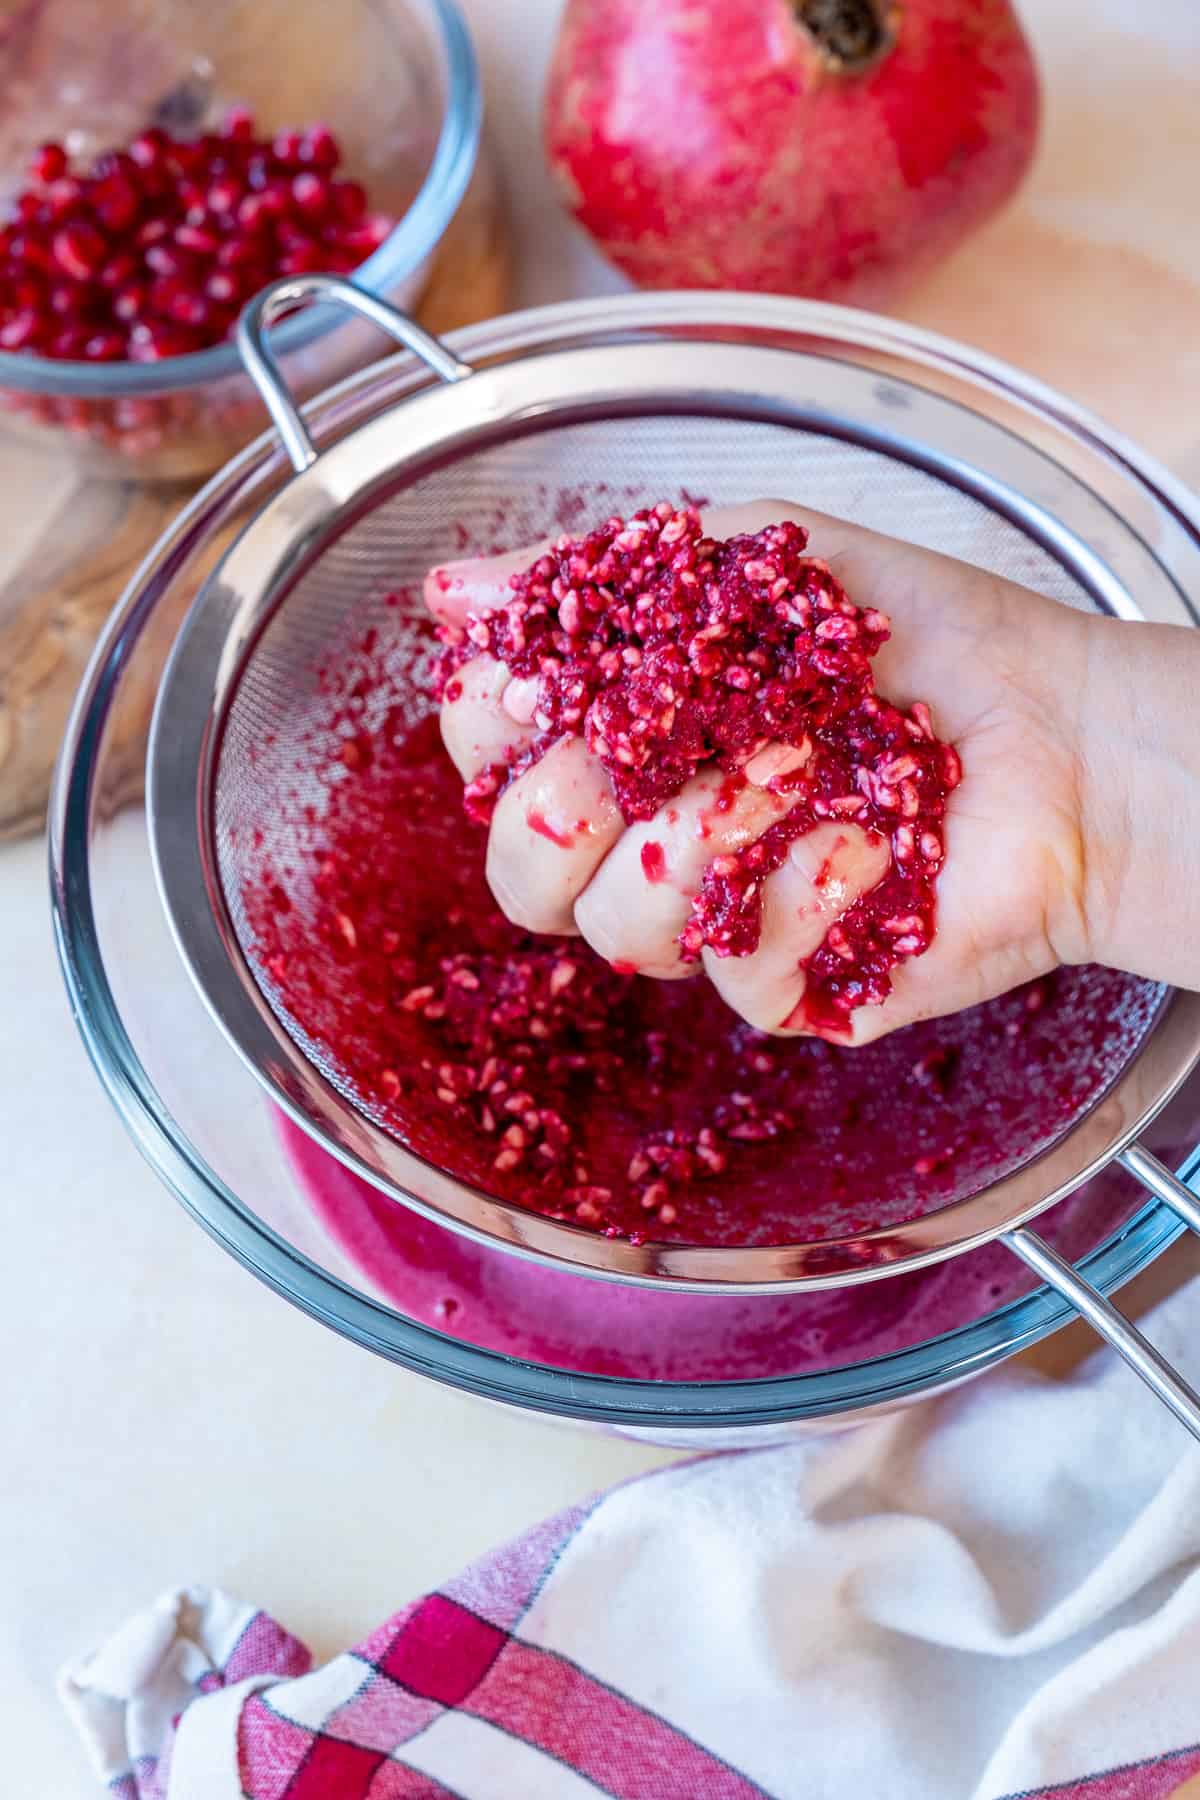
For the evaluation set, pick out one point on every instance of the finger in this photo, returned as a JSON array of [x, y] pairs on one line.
[[640, 898], [552, 828], [823, 874], [477, 584], [477, 728]]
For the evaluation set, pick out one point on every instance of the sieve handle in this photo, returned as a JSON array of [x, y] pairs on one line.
[[263, 368], [1146, 1362]]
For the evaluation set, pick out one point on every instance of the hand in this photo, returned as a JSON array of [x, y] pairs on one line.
[[1007, 675]]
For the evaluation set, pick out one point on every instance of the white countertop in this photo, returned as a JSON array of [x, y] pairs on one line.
[[167, 1419]]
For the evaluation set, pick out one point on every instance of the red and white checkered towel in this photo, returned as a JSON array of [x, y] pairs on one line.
[[994, 1595]]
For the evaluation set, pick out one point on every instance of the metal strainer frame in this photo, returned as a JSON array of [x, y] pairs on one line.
[[470, 406]]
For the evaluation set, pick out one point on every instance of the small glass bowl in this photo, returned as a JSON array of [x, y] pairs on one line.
[[204, 1124], [399, 87]]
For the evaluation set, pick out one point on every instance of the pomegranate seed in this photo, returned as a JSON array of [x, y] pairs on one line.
[[29, 292], [79, 250], [29, 208], [20, 331], [152, 341], [349, 200], [253, 214], [237, 252], [175, 298], [63, 199], [149, 149], [69, 343], [187, 157], [117, 271], [286, 146], [167, 259], [116, 203], [49, 162], [306, 261], [221, 287], [105, 346], [238, 125], [131, 302], [311, 195], [367, 237], [32, 251], [290, 234], [194, 238], [152, 232], [68, 300], [320, 149], [224, 196]]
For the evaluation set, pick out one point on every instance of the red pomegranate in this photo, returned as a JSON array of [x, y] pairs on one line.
[[823, 147]]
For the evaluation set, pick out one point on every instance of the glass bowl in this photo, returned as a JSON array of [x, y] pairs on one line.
[[704, 1371], [399, 86]]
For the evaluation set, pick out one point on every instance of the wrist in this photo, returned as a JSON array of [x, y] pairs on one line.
[[1139, 799]]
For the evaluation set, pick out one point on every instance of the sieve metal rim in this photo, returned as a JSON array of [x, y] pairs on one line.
[[202, 674]]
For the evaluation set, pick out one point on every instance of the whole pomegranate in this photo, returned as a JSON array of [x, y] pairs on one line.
[[822, 147]]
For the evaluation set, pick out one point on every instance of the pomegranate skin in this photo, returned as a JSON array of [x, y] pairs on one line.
[[716, 144]]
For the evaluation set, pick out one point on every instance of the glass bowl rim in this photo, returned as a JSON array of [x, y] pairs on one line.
[[411, 240], [639, 1405]]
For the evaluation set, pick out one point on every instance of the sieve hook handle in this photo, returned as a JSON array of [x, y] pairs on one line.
[[1160, 1376], [263, 368]]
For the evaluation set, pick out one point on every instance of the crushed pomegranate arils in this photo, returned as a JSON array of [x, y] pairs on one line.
[[669, 652], [155, 249]]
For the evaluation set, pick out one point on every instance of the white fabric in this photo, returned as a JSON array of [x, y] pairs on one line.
[[985, 1596]]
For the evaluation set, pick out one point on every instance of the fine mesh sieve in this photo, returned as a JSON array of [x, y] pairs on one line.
[[777, 399]]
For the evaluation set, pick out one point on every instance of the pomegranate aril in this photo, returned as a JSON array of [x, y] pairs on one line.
[[32, 251], [177, 299], [286, 146], [195, 239], [155, 340], [238, 125], [188, 156], [68, 300], [117, 271], [152, 231], [365, 238], [222, 287], [320, 149], [116, 203], [256, 211], [130, 302], [29, 292], [19, 332], [237, 252], [290, 236], [148, 150], [224, 197], [63, 199], [69, 344], [79, 250], [48, 163], [311, 194], [105, 346], [306, 261], [169, 259], [349, 200]]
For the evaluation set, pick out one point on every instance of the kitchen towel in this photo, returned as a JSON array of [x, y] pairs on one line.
[[992, 1594]]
